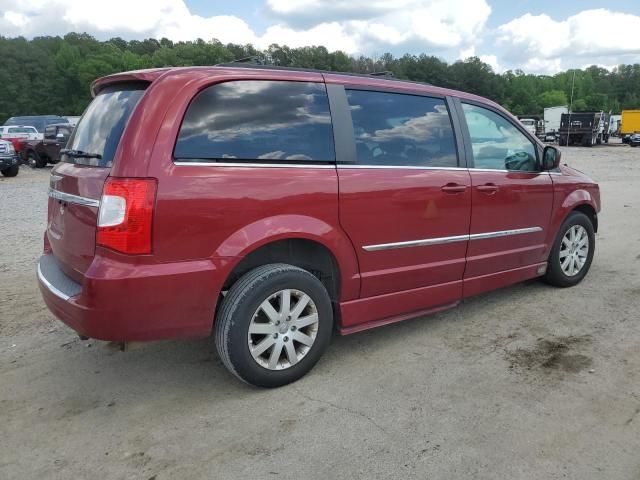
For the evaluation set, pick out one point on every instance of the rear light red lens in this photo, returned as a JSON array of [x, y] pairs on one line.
[[128, 229]]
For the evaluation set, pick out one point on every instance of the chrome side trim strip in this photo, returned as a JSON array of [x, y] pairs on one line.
[[416, 243], [340, 166], [253, 165], [504, 233], [397, 167], [67, 197], [442, 240], [51, 288]]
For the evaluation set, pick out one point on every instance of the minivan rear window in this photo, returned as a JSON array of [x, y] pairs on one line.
[[263, 120], [99, 130]]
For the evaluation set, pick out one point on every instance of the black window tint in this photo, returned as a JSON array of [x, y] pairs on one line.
[[401, 130], [258, 120], [497, 143]]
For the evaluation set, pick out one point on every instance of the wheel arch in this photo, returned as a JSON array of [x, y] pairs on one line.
[[580, 200], [590, 212], [303, 241]]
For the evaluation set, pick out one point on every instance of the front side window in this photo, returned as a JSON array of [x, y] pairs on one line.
[[401, 130], [258, 120], [497, 144]]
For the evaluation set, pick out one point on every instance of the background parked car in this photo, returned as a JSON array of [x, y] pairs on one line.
[[19, 136], [37, 121], [9, 165], [38, 153], [22, 132], [634, 140]]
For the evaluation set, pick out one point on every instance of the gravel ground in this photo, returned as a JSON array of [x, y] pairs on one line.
[[526, 382]]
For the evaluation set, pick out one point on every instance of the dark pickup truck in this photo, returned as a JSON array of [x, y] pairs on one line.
[[38, 153], [584, 128]]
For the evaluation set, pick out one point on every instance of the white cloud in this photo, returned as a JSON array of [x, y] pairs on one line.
[[541, 44], [131, 19], [374, 25], [449, 28], [356, 26], [492, 60]]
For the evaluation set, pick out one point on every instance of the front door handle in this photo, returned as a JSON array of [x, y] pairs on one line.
[[453, 188], [488, 188]]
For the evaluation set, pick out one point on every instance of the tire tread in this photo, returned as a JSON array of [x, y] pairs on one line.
[[225, 319]]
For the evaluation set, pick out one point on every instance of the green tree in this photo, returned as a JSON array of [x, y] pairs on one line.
[[53, 74], [552, 98]]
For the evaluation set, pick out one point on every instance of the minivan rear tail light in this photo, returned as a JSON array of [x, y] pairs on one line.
[[126, 214]]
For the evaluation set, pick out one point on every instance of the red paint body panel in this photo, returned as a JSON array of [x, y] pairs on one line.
[[71, 229], [124, 300], [380, 206], [523, 200], [207, 219]]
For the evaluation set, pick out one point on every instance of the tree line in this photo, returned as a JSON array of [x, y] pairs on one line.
[[51, 75]]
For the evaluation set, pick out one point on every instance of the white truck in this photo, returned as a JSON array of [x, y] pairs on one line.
[[529, 123], [552, 116]]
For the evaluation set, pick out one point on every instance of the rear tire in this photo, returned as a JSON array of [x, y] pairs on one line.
[[256, 325], [35, 161], [12, 171], [568, 261]]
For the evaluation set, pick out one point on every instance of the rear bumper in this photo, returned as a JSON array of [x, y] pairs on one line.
[[125, 302]]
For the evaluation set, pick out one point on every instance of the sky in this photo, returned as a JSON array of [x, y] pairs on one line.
[[542, 36]]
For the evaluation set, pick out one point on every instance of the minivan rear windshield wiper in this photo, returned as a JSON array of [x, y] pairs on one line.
[[79, 154]]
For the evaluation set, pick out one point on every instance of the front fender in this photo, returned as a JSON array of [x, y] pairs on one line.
[[281, 227], [565, 204]]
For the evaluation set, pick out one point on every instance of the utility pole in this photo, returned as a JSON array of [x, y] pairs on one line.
[[573, 84]]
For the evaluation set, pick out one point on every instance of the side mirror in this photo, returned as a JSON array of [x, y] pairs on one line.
[[550, 158]]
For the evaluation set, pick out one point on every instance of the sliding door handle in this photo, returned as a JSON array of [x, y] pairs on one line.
[[454, 188], [488, 188]]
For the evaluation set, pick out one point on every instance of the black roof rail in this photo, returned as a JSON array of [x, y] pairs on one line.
[[262, 66], [383, 73], [253, 59]]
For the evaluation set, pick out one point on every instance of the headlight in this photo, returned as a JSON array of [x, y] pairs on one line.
[[10, 148]]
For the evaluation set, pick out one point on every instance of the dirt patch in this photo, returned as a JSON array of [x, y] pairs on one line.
[[552, 354]]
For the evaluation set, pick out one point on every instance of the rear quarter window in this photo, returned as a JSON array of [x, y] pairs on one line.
[[265, 121]]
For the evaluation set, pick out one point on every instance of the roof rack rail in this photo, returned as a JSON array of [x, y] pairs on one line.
[[254, 59], [383, 73], [244, 63]]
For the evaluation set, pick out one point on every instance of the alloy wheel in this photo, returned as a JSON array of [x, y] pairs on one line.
[[574, 250], [283, 329]]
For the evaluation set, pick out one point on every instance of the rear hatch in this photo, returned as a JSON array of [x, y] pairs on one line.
[[76, 182]]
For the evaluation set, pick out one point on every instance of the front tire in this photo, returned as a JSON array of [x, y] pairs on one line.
[[273, 325], [12, 171], [572, 252]]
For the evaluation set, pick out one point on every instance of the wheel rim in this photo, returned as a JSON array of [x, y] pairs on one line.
[[283, 329], [574, 250]]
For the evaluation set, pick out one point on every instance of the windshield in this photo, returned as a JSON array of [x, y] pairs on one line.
[[35, 122], [100, 127], [22, 130]]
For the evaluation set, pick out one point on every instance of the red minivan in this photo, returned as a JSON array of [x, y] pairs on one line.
[[272, 206]]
